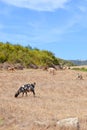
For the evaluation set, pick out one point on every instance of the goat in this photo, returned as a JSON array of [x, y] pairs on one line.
[[79, 76], [11, 69], [51, 70], [26, 88]]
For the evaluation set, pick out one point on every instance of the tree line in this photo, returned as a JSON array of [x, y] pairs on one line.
[[27, 55]]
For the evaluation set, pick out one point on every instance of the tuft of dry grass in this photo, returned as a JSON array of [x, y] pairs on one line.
[[83, 122]]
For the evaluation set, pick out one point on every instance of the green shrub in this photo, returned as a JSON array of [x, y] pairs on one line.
[[80, 69], [27, 55]]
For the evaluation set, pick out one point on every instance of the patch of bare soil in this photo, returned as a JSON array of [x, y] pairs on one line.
[[57, 97]]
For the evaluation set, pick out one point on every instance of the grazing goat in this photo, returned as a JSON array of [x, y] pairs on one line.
[[11, 69], [26, 88], [51, 70], [79, 76]]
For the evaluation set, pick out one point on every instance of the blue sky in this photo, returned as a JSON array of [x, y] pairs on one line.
[[59, 26]]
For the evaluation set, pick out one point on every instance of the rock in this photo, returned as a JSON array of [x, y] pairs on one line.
[[69, 122], [33, 66]]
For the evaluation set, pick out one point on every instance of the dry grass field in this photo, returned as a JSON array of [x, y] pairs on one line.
[[57, 97]]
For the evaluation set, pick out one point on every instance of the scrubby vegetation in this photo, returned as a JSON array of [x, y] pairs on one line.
[[27, 55], [81, 69]]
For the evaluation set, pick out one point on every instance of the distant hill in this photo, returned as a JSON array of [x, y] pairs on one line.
[[79, 62]]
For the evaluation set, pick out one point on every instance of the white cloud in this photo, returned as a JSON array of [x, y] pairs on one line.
[[39, 5]]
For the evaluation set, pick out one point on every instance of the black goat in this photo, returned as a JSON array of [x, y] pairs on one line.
[[26, 88]]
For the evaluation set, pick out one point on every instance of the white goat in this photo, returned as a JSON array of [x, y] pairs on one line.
[[51, 70]]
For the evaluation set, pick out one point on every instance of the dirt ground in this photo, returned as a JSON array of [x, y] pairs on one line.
[[57, 97]]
